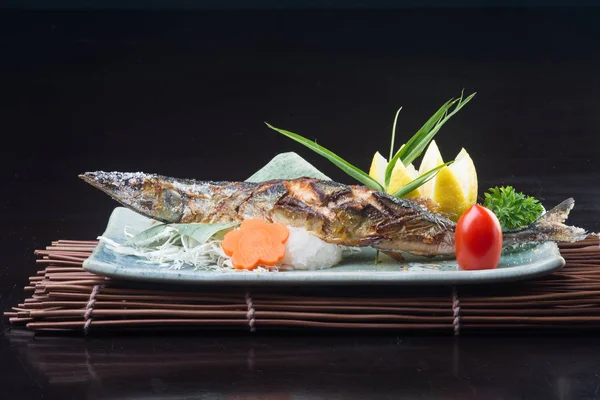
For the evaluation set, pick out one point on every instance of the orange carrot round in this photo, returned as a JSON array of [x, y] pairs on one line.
[[255, 243]]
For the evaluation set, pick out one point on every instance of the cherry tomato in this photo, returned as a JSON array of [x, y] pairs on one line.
[[478, 239]]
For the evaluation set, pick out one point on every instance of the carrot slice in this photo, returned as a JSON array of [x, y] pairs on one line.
[[272, 255], [230, 242], [245, 260], [280, 232], [255, 243]]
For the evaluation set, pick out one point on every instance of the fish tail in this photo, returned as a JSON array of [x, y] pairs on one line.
[[549, 227]]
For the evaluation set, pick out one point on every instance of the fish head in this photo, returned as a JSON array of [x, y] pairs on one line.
[[148, 194]]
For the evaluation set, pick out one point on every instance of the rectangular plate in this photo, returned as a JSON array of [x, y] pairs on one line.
[[356, 269]]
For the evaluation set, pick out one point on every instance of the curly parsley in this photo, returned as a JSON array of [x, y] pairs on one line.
[[513, 209]]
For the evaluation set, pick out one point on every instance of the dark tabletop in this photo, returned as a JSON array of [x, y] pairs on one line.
[[185, 94]]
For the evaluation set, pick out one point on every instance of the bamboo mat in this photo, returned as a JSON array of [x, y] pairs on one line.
[[65, 298]]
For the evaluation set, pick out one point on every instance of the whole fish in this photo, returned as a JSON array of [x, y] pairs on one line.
[[336, 213]]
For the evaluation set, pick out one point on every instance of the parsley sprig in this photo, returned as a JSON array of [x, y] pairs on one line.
[[513, 209]]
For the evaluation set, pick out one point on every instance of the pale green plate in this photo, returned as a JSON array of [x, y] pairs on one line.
[[357, 269]]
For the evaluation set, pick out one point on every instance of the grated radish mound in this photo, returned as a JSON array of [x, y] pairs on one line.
[[304, 251]]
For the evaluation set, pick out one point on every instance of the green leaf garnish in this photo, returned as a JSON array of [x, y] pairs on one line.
[[394, 134], [201, 233], [407, 153], [427, 127], [415, 146], [152, 236], [514, 209], [416, 183], [342, 164], [156, 236]]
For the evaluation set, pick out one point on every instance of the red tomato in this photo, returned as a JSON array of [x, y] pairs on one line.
[[478, 239]]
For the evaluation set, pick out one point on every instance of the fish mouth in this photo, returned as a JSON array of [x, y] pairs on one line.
[[106, 182], [88, 177], [92, 178], [146, 194], [115, 184]]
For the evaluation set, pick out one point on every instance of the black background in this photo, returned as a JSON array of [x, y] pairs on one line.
[[185, 93]]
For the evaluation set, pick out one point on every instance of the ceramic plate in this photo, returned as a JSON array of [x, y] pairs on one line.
[[357, 269]]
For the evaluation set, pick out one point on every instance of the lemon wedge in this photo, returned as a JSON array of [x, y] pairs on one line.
[[400, 177], [464, 168], [455, 186], [431, 159], [378, 166]]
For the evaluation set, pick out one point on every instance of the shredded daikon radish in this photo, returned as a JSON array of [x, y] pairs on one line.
[[169, 248]]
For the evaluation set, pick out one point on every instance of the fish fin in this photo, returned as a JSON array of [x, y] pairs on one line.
[[557, 215], [555, 219], [549, 227]]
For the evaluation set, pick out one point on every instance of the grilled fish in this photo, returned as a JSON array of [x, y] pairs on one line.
[[347, 215]]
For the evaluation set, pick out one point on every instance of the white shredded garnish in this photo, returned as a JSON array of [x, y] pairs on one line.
[[171, 248], [177, 252]]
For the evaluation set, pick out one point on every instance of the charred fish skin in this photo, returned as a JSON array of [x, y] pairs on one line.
[[354, 215], [336, 213]]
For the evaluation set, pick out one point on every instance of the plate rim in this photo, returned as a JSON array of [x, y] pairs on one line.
[[321, 277]]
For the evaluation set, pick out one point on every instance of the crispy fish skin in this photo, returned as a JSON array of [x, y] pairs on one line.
[[336, 213]]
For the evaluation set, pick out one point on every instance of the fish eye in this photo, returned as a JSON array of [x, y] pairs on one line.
[[173, 205], [172, 198]]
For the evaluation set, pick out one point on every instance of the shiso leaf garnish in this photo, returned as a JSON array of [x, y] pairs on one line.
[[178, 245], [201, 233], [153, 236]]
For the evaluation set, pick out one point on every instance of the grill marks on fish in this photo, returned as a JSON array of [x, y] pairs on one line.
[[302, 203], [350, 215]]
